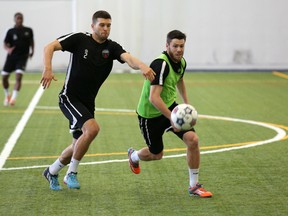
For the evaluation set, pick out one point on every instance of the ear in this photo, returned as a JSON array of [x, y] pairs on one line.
[[92, 25], [167, 45]]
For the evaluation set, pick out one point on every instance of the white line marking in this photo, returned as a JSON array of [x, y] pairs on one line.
[[280, 135], [19, 128]]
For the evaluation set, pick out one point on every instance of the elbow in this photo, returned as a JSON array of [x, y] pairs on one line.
[[46, 48], [152, 99]]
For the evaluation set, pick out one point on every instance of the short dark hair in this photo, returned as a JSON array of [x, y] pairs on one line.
[[18, 14], [100, 14], [175, 34]]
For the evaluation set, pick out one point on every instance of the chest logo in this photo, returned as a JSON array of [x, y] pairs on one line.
[[105, 53], [15, 37]]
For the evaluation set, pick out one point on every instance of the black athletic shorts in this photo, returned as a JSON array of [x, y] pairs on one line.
[[153, 129], [76, 112], [14, 63]]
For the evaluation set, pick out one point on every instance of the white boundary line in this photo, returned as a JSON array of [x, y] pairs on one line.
[[280, 135], [19, 128]]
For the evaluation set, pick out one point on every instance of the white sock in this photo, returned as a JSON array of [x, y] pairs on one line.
[[134, 156], [73, 166], [193, 177], [6, 91], [14, 94], [56, 167]]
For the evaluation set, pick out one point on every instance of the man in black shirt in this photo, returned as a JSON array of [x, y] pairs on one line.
[[19, 44], [90, 64]]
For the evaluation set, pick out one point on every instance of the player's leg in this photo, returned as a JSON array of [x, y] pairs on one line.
[[90, 130], [51, 172], [9, 66], [20, 65], [191, 140], [5, 84], [145, 154], [152, 131], [81, 119]]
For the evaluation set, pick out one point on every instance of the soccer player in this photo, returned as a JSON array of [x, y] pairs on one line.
[[156, 102], [91, 61], [19, 44]]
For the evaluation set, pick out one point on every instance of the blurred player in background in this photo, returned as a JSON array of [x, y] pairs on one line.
[[154, 112], [19, 44], [91, 62]]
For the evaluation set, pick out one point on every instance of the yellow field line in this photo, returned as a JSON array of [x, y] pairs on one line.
[[125, 153], [276, 73], [168, 150]]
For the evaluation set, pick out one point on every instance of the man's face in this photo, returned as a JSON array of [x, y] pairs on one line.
[[18, 20], [176, 49], [102, 28]]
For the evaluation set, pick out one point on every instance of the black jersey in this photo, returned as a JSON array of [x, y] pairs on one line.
[[89, 66], [21, 38]]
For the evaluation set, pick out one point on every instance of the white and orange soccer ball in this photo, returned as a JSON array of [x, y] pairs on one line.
[[184, 116]]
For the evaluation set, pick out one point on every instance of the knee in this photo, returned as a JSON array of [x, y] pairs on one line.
[[18, 77], [191, 140], [91, 130]]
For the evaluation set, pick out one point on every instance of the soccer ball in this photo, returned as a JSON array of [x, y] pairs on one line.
[[184, 116]]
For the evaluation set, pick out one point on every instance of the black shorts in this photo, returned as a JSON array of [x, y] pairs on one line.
[[153, 129], [15, 63], [76, 112]]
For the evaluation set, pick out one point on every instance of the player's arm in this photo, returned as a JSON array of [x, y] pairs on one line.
[[182, 90], [156, 100], [31, 45], [48, 75], [31, 48], [162, 70], [8, 48], [136, 64]]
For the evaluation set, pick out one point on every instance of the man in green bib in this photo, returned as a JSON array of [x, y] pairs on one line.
[[157, 100]]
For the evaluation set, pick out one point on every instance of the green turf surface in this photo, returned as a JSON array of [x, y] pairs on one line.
[[250, 181]]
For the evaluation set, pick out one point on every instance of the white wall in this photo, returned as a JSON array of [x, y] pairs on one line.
[[221, 34]]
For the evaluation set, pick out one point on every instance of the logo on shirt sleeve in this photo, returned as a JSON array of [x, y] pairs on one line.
[[105, 53]]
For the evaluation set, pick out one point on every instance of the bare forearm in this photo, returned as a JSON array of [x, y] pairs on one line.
[[32, 48], [134, 63], [47, 75], [159, 104], [48, 55]]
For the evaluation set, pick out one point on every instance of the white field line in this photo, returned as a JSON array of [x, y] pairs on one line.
[[280, 135], [8, 147]]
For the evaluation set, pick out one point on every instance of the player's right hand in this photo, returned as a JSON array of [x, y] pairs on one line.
[[47, 77], [10, 50]]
